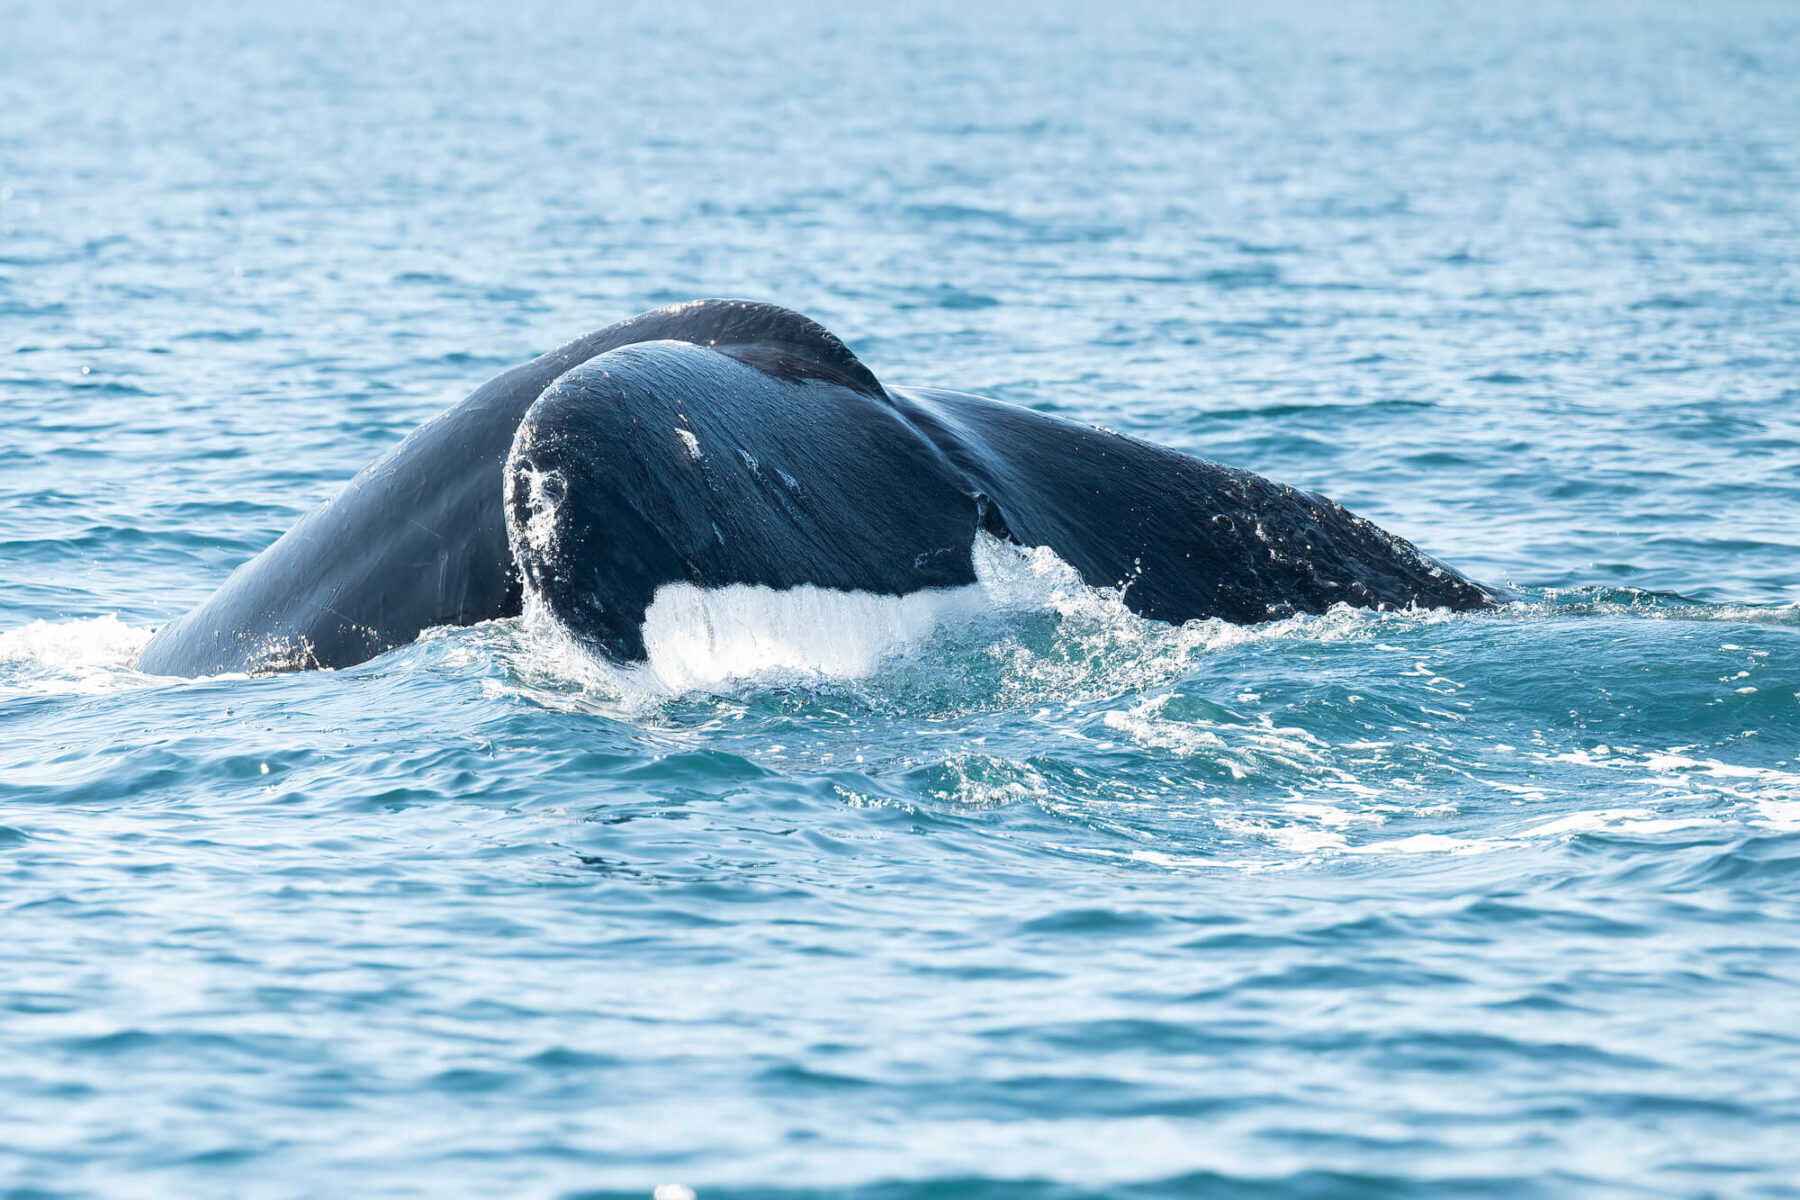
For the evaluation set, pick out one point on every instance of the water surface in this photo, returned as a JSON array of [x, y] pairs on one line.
[[1051, 902]]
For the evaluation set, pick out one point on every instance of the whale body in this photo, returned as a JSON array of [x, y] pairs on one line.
[[726, 442]]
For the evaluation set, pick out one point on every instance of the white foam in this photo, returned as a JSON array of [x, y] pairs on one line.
[[1430, 843], [1633, 820], [83, 655], [699, 639]]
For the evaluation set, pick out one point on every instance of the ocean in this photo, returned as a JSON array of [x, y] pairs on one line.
[[1038, 899]]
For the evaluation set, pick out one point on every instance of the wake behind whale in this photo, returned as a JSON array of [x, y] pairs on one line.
[[722, 444]]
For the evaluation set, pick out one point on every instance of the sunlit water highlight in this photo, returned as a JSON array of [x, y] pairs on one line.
[[1006, 891]]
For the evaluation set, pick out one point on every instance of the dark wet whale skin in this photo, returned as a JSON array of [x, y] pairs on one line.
[[797, 467]]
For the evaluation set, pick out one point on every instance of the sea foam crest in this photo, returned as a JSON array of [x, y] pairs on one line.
[[84, 655]]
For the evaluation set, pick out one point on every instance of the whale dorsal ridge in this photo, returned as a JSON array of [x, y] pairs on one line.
[[776, 341]]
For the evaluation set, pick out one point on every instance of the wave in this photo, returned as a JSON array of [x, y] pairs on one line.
[[1649, 605]]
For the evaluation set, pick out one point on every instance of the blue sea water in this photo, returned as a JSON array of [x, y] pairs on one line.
[[1050, 903]]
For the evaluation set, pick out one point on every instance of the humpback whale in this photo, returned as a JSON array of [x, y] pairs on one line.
[[725, 442]]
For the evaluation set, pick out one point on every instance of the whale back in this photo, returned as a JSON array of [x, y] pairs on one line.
[[776, 341], [724, 442]]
